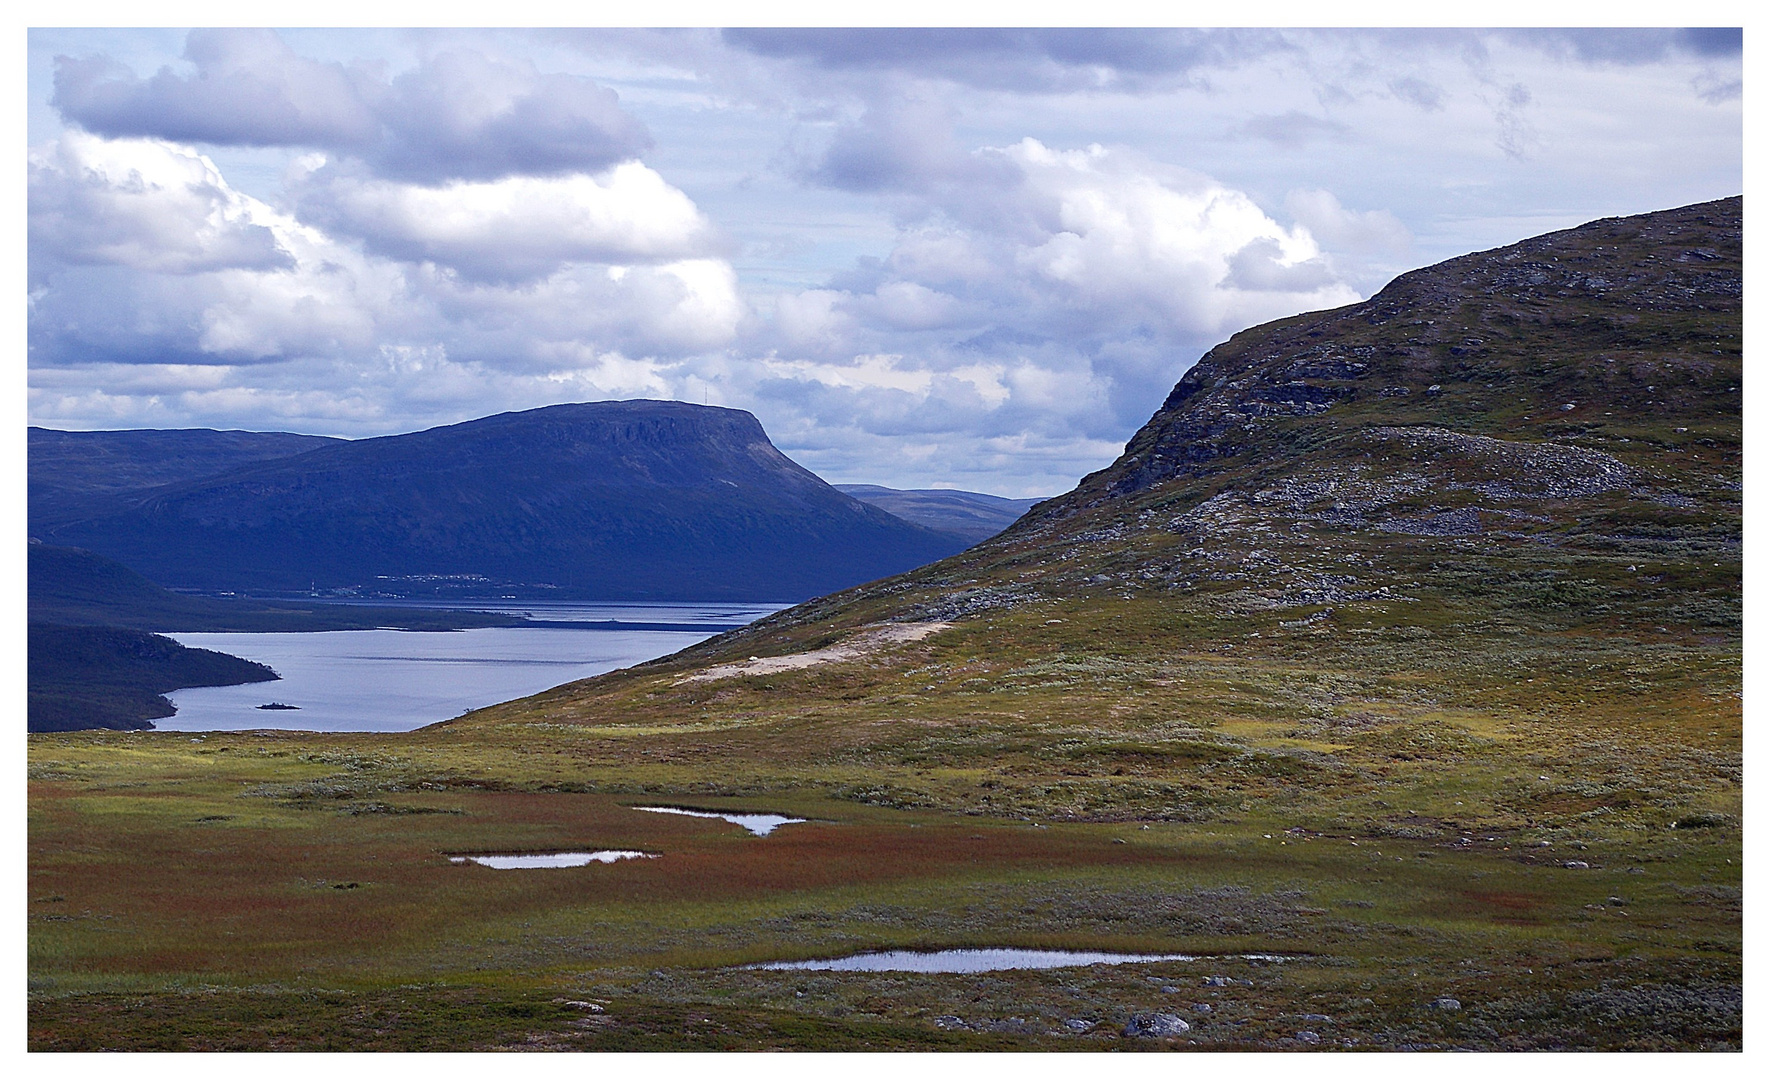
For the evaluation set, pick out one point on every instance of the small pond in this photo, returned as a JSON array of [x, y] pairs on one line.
[[550, 861], [759, 824], [969, 961]]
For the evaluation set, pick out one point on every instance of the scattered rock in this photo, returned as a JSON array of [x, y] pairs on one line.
[[1156, 1026], [1577, 864], [1219, 980], [1077, 1024], [1309, 1037], [1203, 1007], [1618, 901], [951, 1023], [1446, 1004], [1317, 1018]]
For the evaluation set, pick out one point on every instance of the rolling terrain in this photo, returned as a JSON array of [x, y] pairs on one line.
[[1400, 652]]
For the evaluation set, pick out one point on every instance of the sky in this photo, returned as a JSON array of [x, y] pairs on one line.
[[923, 258]]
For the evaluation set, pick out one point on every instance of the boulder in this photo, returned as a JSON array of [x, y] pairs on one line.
[[1156, 1026]]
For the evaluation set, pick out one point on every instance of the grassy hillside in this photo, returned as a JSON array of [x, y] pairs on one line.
[[1403, 643]]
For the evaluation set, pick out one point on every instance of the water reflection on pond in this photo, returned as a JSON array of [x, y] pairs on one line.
[[968, 961], [759, 824], [549, 861]]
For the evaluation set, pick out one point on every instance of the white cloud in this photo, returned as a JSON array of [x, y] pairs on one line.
[[1075, 295], [517, 228], [144, 204], [1358, 231], [1136, 241], [458, 114]]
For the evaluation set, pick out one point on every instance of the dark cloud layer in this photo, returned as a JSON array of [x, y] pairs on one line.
[[1022, 59], [459, 115]]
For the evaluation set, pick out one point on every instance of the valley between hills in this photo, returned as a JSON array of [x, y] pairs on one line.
[[1393, 675]]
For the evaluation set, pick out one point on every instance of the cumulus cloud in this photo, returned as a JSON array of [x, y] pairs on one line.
[[143, 204], [141, 252], [1078, 289], [901, 143], [1091, 240], [1347, 230], [140, 249], [458, 115], [516, 228], [248, 88], [461, 114]]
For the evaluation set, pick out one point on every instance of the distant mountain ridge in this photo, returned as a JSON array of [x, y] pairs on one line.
[[970, 515], [604, 500], [75, 473]]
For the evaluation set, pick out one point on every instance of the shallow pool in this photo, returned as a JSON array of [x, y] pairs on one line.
[[550, 861], [967, 961], [759, 824]]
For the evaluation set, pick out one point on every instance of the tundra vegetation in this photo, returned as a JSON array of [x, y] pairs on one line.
[[1403, 643]]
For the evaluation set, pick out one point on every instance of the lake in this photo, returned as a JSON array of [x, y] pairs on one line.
[[395, 680]]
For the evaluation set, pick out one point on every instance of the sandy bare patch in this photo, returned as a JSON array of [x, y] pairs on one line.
[[862, 644]]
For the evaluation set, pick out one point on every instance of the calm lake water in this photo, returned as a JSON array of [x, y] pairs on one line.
[[393, 680]]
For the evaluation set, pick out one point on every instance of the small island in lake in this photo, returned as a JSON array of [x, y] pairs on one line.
[[279, 706]]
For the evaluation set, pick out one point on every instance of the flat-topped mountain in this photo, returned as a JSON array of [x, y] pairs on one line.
[[970, 515], [605, 500]]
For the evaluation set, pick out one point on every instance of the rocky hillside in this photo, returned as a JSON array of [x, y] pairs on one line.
[[1552, 427], [606, 500], [1488, 519]]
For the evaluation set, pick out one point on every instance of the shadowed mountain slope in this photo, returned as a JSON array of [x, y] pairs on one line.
[[605, 500], [970, 515], [84, 677], [74, 473]]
